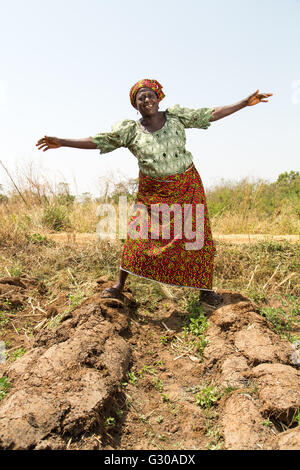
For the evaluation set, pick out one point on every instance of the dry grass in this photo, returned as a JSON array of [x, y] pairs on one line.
[[34, 205], [287, 223], [82, 218], [263, 271]]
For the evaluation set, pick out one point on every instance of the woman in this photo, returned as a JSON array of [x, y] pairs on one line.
[[167, 177]]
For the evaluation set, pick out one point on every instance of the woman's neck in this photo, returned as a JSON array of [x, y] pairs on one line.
[[154, 122]]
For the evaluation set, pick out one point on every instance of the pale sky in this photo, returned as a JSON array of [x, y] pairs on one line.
[[67, 68]]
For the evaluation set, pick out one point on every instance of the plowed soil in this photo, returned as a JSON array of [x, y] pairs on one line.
[[106, 376]]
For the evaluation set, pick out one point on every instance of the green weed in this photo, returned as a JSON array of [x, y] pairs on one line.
[[38, 239], [4, 387], [267, 423], [197, 320], [15, 270], [3, 320], [109, 422], [16, 354], [55, 217], [164, 340], [147, 370], [158, 384], [132, 378], [165, 397], [280, 321], [197, 324], [207, 397], [297, 418]]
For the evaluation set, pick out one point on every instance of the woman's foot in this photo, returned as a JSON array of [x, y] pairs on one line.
[[211, 298], [115, 292]]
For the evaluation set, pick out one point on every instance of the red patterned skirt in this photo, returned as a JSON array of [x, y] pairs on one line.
[[176, 248]]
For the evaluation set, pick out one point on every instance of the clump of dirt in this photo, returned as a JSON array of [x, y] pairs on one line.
[[63, 385], [110, 376], [20, 309], [14, 291]]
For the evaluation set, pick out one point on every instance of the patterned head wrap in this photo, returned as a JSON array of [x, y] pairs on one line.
[[146, 83]]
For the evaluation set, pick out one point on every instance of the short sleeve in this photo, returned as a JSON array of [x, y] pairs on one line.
[[121, 135], [197, 118]]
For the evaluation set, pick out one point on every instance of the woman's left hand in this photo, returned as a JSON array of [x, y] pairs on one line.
[[257, 97]]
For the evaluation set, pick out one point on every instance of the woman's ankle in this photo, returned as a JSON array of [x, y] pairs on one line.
[[118, 286]]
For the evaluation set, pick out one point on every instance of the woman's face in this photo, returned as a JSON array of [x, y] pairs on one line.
[[146, 102]]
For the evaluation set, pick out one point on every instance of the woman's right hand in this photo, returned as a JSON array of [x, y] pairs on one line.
[[47, 143]]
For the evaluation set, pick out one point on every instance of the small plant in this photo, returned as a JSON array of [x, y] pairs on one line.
[[55, 217], [132, 378], [257, 296], [38, 239], [151, 352], [165, 397], [215, 439], [200, 344], [159, 362], [147, 370], [267, 422], [15, 271], [4, 387], [143, 418], [76, 298], [278, 318], [158, 384], [119, 413], [164, 340], [16, 354], [207, 397], [297, 418], [197, 320], [228, 390], [217, 446], [3, 320], [197, 325]]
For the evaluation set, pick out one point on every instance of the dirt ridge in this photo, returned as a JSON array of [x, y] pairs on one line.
[[72, 389]]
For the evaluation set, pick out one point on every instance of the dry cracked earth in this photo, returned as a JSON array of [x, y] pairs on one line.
[[109, 377]]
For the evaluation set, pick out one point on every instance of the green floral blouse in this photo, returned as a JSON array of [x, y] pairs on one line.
[[160, 153]]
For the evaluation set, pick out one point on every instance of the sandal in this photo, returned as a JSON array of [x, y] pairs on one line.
[[211, 298], [111, 293]]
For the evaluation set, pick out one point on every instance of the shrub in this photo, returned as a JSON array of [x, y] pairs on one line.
[[55, 217]]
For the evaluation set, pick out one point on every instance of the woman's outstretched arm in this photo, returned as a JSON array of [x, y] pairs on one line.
[[251, 100], [47, 143]]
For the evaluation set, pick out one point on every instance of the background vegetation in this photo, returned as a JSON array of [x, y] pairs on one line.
[[33, 205]]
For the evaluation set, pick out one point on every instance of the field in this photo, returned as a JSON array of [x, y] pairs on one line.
[[160, 369]]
